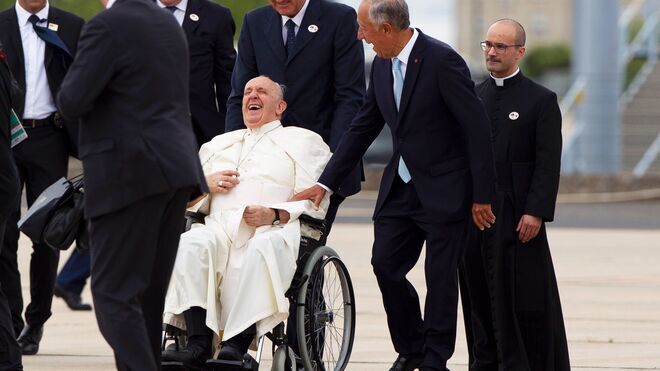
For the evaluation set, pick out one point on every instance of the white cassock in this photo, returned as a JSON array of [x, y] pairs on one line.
[[239, 274]]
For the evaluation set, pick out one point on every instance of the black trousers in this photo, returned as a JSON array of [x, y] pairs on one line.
[[401, 228], [41, 160], [133, 252], [10, 353]]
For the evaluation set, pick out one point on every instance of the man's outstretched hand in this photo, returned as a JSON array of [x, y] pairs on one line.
[[314, 194], [482, 216]]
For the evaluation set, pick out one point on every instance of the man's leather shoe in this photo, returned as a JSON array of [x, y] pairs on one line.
[[190, 357], [407, 362], [73, 301], [29, 339], [228, 352]]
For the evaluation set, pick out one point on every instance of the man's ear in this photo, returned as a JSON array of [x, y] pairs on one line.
[[281, 107]]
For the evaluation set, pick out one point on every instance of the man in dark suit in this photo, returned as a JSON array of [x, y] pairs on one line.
[[210, 30], [442, 164], [515, 313], [310, 47], [40, 42], [129, 85], [10, 356]]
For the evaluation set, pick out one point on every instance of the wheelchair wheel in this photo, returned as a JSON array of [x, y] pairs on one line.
[[326, 313]]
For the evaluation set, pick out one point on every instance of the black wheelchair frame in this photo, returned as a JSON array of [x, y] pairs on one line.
[[322, 305]]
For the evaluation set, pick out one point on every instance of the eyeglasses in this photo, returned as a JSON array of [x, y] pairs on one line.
[[499, 47]]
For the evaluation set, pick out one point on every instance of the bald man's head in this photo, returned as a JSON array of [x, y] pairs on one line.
[[521, 35], [504, 47]]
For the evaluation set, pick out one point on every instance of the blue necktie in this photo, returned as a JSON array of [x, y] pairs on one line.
[[48, 36], [171, 8], [290, 36], [404, 173]]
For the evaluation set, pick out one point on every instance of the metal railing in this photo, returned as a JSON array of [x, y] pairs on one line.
[[646, 43]]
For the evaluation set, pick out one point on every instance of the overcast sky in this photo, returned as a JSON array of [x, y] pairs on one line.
[[434, 17]]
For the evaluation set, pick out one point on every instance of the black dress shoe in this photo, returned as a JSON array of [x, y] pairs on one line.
[[73, 301], [190, 357], [228, 352], [407, 362], [29, 339]]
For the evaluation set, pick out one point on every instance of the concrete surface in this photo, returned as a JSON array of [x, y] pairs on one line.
[[609, 281]]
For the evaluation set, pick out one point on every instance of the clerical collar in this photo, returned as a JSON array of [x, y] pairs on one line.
[[499, 81], [263, 129]]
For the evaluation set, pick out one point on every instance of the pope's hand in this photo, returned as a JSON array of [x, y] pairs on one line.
[[222, 181], [256, 216], [314, 194]]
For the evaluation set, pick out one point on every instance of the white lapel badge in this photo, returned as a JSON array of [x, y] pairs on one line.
[[194, 17], [313, 28], [53, 27], [514, 115]]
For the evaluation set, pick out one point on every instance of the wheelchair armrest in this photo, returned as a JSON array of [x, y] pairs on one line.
[[318, 224], [193, 217]]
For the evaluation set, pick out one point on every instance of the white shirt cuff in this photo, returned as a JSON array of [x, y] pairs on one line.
[[330, 192]]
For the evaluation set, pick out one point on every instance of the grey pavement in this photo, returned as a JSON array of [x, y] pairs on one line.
[[607, 260]]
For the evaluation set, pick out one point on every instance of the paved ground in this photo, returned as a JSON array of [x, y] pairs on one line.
[[607, 259]]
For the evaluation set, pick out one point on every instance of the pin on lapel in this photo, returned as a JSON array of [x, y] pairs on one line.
[[514, 115], [194, 17], [313, 28], [416, 60], [53, 27]]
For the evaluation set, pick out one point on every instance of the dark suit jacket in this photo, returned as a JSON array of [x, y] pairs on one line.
[[324, 76], [129, 84], [441, 130], [56, 61], [527, 145], [212, 57], [9, 188]]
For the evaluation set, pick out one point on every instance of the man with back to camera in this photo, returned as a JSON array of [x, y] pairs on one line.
[[129, 85], [40, 42], [310, 47], [516, 316], [209, 28], [10, 356], [441, 166]]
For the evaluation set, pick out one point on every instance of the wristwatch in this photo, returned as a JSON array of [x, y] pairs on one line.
[[276, 221]]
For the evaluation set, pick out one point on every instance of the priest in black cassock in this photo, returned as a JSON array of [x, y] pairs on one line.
[[515, 320]]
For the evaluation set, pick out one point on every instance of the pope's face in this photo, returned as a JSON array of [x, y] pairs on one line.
[[32, 6], [287, 8], [262, 102]]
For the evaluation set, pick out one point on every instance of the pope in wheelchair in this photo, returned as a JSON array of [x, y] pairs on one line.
[[231, 273]]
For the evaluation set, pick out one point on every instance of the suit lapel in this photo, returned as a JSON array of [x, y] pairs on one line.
[[194, 7], [412, 72], [304, 36], [273, 33], [16, 49]]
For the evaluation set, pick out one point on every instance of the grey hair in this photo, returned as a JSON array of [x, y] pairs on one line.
[[394, 12]]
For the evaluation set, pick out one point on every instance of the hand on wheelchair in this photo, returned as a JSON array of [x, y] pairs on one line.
[[222, 181], [314, 194]]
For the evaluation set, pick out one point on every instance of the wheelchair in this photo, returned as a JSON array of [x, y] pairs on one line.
[[322, 304]]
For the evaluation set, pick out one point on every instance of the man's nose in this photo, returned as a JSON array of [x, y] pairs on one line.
[[491, 51]]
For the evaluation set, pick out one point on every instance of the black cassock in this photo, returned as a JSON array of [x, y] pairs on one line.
[[514, 316]]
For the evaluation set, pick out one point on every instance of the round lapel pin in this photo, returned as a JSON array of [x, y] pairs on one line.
[[194, 17], [313, 28], [514, 115]]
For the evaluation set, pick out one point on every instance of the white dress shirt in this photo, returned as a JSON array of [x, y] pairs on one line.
[[39, 103], [180, 11], [404, 55], [110, 4], [297, 20], [499, 81]]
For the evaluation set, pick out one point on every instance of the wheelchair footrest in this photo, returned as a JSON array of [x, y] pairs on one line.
[[248, 364]]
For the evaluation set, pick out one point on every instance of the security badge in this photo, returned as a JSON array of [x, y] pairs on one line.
[[514, 115], [194, 17], [53, 27], [313, 28]]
